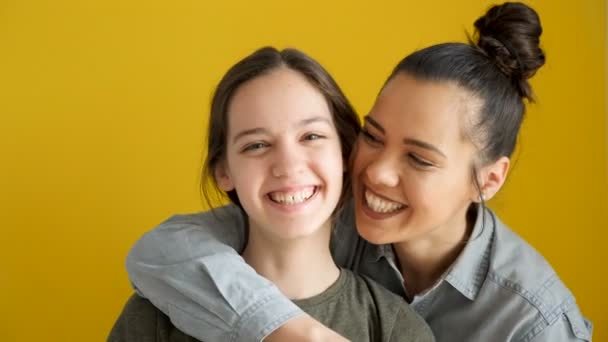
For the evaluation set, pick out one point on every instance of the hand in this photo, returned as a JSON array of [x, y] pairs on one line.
[[304, 329]]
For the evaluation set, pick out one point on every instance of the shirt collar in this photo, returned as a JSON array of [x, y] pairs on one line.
[[469, 271], [383, 251]]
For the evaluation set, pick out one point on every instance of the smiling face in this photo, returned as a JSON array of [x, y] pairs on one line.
[[412, 167], [283, 155]]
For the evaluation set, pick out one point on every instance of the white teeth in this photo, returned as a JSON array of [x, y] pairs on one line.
[[291, 198], [381, 205]]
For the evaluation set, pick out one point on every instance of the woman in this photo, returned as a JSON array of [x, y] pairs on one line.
[[280, 129], [435, 146]]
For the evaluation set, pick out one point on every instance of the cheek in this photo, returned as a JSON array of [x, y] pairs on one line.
[[419, 189], [327, 165], [244, 182], [435, 190], [332, 159]]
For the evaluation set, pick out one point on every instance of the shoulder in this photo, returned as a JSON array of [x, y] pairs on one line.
[[513, 257], [180, 236], [521, 274], [517, 267], [138, 320], [398, 320], [139, 307], [223, 216]]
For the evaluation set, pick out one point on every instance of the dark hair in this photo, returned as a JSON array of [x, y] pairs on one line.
[[495, 67], [260, 63]]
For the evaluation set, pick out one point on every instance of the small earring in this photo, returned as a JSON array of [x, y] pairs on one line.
[[482, 197]]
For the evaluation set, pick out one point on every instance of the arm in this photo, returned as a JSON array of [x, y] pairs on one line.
[[189, 269], [304, 329]]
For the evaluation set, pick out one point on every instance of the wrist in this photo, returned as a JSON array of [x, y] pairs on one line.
[[304, 329]]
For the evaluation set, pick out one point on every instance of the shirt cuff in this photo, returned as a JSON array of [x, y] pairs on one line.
[[264, 317]]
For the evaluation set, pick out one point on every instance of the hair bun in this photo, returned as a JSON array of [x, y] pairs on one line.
[[509, 34]]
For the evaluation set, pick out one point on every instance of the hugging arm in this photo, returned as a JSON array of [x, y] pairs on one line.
[[189, 268]]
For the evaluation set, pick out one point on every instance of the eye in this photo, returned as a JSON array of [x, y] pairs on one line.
[[256, 146], [370, 138], [312, 136], [420, 161]]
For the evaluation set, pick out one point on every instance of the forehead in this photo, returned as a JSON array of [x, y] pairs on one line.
[[276, 100], [429, 110]]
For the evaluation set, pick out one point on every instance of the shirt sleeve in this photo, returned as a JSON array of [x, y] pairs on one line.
[[189, 268]]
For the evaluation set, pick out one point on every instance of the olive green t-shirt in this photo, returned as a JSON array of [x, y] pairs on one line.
[[356, 307]]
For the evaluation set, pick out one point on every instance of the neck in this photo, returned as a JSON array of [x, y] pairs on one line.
[[300, 267], [423, 261]]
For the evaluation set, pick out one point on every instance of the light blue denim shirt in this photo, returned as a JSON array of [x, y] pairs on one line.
[[498, 289]]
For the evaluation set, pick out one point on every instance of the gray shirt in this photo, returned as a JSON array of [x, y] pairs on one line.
[[498, 289], [356, 307]]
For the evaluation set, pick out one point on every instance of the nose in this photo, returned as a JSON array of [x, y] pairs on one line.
[[383, 171], [287, 161]]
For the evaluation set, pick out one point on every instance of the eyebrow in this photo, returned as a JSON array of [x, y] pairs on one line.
[[407, 141], [261, 130], [422, 144], [374, 123], [257, 130]]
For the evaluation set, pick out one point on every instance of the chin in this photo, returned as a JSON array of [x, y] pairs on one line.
[[298, 231], [371, 232]]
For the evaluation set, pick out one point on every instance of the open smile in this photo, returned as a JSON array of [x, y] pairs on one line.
[[378, 207], [296, 197]]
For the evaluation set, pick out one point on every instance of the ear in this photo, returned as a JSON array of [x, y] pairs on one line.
[[491, 178], [222, 177]]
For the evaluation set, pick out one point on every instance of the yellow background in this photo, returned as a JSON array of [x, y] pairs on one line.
[[103, 107]]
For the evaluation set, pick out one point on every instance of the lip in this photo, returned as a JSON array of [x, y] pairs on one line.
[[375, 215], [290, 208]]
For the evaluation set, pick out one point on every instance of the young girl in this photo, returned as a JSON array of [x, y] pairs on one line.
[[434, 148], [279, 130]]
